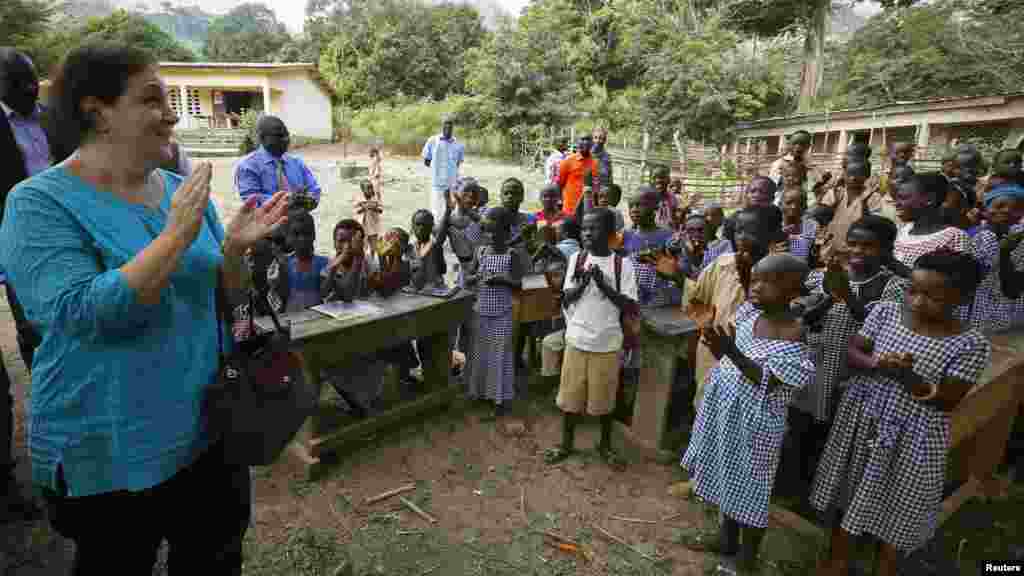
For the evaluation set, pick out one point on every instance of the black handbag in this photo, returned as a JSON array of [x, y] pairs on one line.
[[261, 397]]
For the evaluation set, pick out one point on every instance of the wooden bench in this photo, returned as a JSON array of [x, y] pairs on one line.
[[324, 342], [665, 344]]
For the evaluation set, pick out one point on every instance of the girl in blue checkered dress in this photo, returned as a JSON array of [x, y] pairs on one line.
[[993, 310], [850, 290], [884, 464], [763, 363], [492, 356]]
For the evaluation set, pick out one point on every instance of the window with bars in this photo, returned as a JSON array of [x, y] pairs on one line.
[[174, 98], [194, 107]]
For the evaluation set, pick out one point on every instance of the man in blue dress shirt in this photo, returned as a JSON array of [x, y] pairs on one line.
[[24, 152], [269, 168]]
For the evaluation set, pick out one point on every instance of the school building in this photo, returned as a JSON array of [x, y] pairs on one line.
[[934, 125], [214, 95]]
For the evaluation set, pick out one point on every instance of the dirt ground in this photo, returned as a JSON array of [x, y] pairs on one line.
[[491, 494]]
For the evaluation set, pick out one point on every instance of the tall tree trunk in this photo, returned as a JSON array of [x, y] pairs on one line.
[[814, 54]]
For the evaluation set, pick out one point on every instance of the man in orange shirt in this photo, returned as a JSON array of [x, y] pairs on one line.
[[571, 175]]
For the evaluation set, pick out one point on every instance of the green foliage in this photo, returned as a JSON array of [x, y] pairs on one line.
[[697, 79], [396, 49], [939, 49], [248, 123], [119, 27], [248, 33], [23, 24], [403, 128], [188, 24], [521, 77]]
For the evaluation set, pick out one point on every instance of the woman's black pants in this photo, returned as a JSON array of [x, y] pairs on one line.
[[202, 511]]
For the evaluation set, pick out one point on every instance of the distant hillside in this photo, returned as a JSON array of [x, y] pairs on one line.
[[187, 24]]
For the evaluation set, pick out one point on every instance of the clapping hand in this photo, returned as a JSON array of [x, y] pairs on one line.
[[837, 280], [252, 224], [719, 339], [597, 275], [895, 363]]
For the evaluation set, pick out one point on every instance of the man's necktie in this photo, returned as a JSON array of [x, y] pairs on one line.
[[282, 181]]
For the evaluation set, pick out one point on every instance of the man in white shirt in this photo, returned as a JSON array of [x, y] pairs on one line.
[[444, 156], [556, 157], [598, 286]]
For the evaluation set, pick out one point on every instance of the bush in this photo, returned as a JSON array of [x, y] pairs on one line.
[[404, 128]]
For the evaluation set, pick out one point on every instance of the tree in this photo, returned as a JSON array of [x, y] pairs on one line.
[[941, 49], [23, 24], [396, 49], [120, 27], [772, 17], [520, 80], [248, 33]]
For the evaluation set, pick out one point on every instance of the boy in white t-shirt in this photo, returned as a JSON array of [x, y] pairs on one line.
[[598, 286]]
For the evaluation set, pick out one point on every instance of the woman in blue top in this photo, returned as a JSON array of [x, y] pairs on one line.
[[116, 264]]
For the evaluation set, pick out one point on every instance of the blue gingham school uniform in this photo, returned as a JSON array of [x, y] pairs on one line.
[[885, 459], [992, 310], [734, 450], [492, 342], [830, 344]]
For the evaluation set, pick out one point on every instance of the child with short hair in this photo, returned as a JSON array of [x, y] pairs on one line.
[[850, 203], [737, 438], [609, 198], [599, 285], [1006, 169], [642, 243], [549, 217], [368, 209], [884, 464], [427, 260], [661, 177], [722, 286], [848, 290], [491, 364], [524, 227], [304, 268], [993, 310], [800, 231]]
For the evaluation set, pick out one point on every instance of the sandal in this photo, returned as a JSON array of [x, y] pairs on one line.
[[702, 541], [556, 455]]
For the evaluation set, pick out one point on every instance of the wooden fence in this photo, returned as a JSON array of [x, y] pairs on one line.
[[718, 176]]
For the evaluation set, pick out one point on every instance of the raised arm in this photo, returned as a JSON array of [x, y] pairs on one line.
[[61, 274]]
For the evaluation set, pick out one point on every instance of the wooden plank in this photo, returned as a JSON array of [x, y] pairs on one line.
[[359, 431], [780, 515]]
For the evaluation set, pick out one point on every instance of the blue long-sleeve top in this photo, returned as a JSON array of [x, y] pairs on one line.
[[116, 384], [256, 176]]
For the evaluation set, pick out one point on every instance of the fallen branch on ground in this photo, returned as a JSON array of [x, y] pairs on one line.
[[622, 542], [419, 511], [633, 520], [390, 493]]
